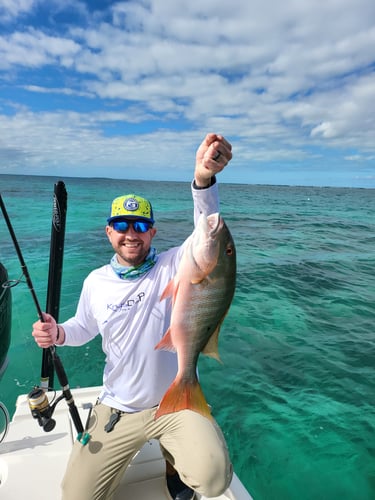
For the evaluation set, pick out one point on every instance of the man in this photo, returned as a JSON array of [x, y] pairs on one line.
[[121, 301]]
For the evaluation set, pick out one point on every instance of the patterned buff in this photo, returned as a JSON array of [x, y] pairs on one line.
[[132, 273]]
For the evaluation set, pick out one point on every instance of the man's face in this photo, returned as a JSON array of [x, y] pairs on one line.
[[130, 246]]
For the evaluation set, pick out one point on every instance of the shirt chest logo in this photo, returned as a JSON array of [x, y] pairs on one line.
[[126, 304]]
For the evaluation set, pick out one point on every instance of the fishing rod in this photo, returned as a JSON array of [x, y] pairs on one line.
[[38, 401], [24, 269], [59, 210]]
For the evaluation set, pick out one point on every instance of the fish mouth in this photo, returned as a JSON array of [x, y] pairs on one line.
[[215, 223]]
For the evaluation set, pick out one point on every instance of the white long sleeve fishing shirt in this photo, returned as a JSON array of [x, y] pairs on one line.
[[131, 319]]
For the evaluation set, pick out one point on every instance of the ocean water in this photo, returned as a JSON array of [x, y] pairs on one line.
[[295, 394]]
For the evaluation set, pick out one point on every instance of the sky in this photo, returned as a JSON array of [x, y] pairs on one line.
[[129, 89]]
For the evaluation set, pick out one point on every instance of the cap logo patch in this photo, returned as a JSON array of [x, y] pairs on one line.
[[131, 204]]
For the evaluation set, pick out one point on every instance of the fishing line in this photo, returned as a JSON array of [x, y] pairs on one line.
[[56, 360]]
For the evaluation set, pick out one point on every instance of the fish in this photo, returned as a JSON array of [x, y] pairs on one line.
[[202, 291]]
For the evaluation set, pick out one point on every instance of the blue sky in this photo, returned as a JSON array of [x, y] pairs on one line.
[[129, 89]]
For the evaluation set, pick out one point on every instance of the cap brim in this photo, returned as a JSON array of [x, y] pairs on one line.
[[129, 217]]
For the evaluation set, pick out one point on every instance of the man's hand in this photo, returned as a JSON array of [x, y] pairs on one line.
[[45, 333], [212, 156]]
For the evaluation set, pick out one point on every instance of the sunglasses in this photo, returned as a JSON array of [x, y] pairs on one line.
[[138, 226]]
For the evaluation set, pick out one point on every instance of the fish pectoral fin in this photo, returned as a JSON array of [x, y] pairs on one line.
[[211, 349], [184, 395], [170, 290], [166, 342]]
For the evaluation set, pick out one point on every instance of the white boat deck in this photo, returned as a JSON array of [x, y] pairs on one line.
[[32, 462]]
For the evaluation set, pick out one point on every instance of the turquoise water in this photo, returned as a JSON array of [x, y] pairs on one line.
[[296, 391]]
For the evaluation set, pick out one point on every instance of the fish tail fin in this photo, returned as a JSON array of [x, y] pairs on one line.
[[184, 395]]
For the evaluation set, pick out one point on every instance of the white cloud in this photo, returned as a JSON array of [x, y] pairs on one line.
[[10, 9], [35, 49], [283, 79], [72, 140], [57, 90]]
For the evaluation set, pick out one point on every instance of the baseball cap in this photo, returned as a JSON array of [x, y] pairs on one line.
[[131, 206]]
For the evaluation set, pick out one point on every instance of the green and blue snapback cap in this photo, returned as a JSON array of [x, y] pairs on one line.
[[131, 206]]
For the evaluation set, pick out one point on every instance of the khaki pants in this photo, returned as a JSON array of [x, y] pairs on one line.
[[193, 444]]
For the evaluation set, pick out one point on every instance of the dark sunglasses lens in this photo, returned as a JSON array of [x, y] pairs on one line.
[[120, 225], [141, 227]]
